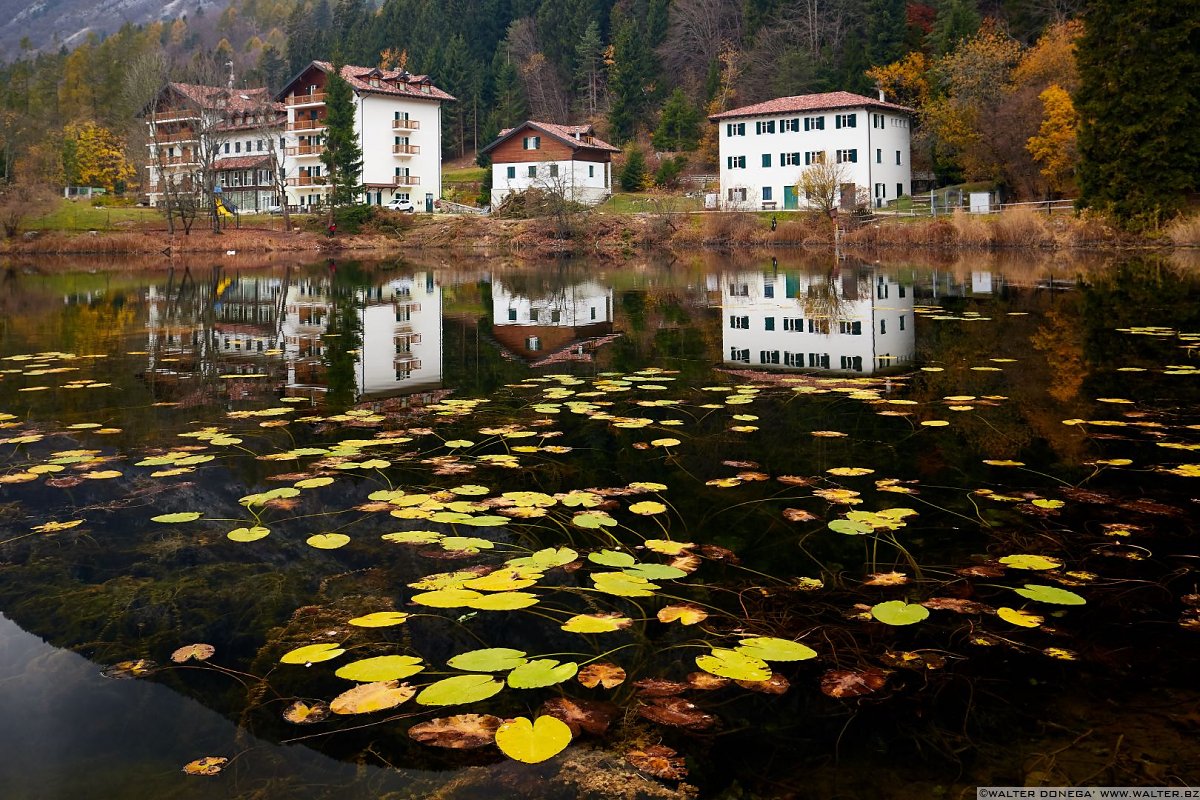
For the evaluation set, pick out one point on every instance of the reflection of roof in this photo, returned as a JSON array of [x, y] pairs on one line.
[[556, 343], [570, 135], [808, 102]]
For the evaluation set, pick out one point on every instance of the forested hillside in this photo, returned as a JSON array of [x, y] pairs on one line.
[[992, 81]]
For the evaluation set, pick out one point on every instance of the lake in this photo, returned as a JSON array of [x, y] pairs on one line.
[[781, 527]]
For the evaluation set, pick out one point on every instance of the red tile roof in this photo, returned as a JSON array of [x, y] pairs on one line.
[[240, 162], [564, 133], [808, 102], [391, 82]]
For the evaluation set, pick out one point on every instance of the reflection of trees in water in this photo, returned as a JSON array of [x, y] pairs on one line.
[[829, 296], [342, 340]]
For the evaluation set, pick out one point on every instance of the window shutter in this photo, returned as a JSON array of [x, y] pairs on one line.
[[854, 156], [806, 123], [807, 159], [795, 158], [853, 120], [766, 159], [837, 121], [728, 162]]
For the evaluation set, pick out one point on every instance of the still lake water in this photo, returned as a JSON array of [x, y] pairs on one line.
[[969, 491]]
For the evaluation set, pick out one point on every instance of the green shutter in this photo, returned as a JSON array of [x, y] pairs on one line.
[[766, 159]]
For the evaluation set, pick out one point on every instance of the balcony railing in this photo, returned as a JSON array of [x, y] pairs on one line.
[[406, 149], [305, 150], [406, 124], [306, 125], [306, 99], [180, 136], [306, 180], [406, 180], [407, 363], [174, 161]]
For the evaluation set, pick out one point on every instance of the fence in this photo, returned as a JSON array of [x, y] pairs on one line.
[[926, 205]]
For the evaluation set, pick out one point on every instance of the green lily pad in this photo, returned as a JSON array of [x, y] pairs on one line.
[[592, 520], [413, 537], [734, 664], [248, 534], [180, 516], [656, 572], [898, 612], [503, 601], [541, 672], [1027, 561], [447, 598], [380, 668], [1050, 594], [546, 559], [328, 541], [623, 585], [533, 742], [491, 659], [849, 527], [459, 689], [612, 558], [768, 648]]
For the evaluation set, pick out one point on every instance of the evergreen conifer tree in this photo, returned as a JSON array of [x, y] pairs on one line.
[[633, 175], [1139, 146], [342, 156], [679, 127]]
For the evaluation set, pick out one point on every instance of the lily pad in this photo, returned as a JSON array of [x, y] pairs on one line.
[[460, 732], [459, 690], [312, 654], [491, 659], [1032, 562], [898, 612], [612, 558], [534, 741], [541, 672], [1050, 594], [769, 648], [503, 601], [180, 516], [381, 668], [369, 697], [328, 541], [734, 664], [596, 623], [379, 619]]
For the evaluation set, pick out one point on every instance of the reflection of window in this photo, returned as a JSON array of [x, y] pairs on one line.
[[555, 315], [793, 359], [793, 324], [768, 290], [533, 315], [739, 322], [854, 363], [768, 356], [594, 315], [533, 343], [883, 326], [739, 289], [852, 328], [739, 355], [901, 322]]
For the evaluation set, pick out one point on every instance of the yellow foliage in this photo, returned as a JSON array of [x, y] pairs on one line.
[[906, 81], [1052, 59], [99, 156], [1053, 147]]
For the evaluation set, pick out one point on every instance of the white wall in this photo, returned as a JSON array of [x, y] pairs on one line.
[[576, 306], [883, 311], [867, 140], [573, 180]]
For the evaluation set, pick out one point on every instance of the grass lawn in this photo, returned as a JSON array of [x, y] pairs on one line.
[[635, 202], [464, 175], [80, 215]]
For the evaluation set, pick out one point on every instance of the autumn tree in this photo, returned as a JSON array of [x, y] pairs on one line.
[[1053, 147], [1139, 145], [95, 156], [821, 185]]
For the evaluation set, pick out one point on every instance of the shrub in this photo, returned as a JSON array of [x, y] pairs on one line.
[[1185, 231]]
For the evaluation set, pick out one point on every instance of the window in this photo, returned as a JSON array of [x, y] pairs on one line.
[[769, 324], [739, 355], [881, 290], [533, 343], [512, 173], [258, 145], [789, 159], [735, 162], [818, 326], [845, 120], [793, 359], [814, 123], [768, 356], [793, 324], [237, 147], [532, 172], [897, 158], [594, 314], [533, 315], [554, 170], [882, 327], [901, 322], [591, 170], [878, 155], [814, 157], [556, 316], [736, 195], [227, 148], [877, 120], [739, 290], [512, 315], [735, 129], [847, 156], [899, 190], [742, 323], [854, 363], [766, 161], [532, 142], [769, 292], [764, 126], [766, 193], [850, 328], [281, 145], [880, 191], [792, 124]]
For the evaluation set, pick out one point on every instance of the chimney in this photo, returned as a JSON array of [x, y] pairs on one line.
[[882, 99]]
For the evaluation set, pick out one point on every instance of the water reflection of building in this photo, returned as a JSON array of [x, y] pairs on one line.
[[848, 321], [563, 324], [398, 325]]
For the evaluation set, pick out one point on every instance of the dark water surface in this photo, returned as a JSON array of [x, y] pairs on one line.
[[969, 489]]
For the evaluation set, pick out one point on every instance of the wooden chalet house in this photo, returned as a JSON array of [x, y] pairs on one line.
[[563, 159]]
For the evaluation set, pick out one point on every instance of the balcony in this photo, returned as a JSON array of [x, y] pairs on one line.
[[179, 136], [406, 125], [406, 180], [407, 363], [306, 125], [405, 341], [175, 161], [405, 150], [306, 180], [316, 98], [305, 150]]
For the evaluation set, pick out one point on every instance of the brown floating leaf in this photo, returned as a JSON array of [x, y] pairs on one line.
[[741, 464], [589, 716], [657, 687], [137, 668], [601, 674], [849, 683], [715, 552], [368, 697], [776, 684], [753, 476], [687, 615], [797, 515], [687, 562], [706, 681], [63, 483], [303, 713], [982, 571], [910, 660], [659, 761], [1085, 496], [209, 765], [676, 712], [886, 579], [460, 732], [957, 605], [200, 652], [794, 480]]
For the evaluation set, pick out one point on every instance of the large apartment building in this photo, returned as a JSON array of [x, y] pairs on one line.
[[398, 120], [765, 147], [198, 131]]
